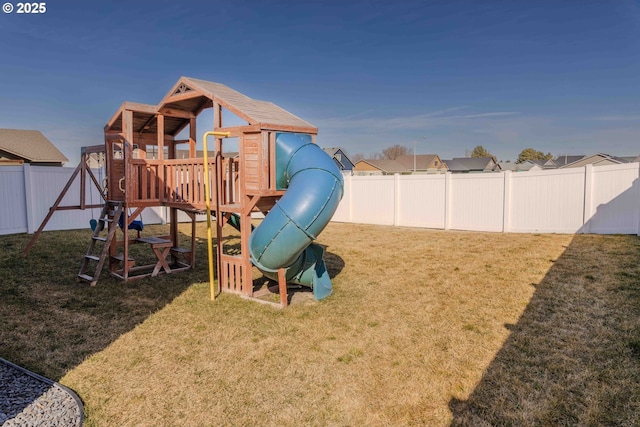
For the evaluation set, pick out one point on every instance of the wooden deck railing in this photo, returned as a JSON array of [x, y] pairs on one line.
[[182, 181]]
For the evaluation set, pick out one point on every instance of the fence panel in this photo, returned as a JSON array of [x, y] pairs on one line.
[[13, 207], [343, 213], [615, 200], [477, 202], [548, 201], [421, 201], [373, 199]]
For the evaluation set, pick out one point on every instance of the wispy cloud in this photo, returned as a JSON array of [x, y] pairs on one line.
[[616, 118], [419, 121]]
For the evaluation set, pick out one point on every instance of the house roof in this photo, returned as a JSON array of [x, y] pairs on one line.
[[520, 167], [597, 158], [331, 150], [467, 164], [565, 160], [388, 166], [422, 161], [30, 145], [403, 163]]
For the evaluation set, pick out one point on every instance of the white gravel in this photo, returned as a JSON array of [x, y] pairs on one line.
[[28, 399]]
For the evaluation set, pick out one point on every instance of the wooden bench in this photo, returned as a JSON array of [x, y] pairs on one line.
[[161, 248]]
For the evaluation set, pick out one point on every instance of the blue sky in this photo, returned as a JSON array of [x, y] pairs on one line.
[[557, 76]]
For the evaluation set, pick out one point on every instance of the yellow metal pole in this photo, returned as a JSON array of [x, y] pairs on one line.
[[207, 201]]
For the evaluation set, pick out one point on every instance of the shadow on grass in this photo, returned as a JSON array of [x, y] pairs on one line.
[[573, 358], [52, 323]]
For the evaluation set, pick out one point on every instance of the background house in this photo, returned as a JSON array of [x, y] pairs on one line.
[[28, 146], [529, 165], [472, 164], [339, 156], [405, 164], [600, 159]]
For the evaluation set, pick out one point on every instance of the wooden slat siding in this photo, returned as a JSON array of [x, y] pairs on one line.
[[264, 160], [144, 182], [154, 182], [252, 150], [192, 182], [198, 178]]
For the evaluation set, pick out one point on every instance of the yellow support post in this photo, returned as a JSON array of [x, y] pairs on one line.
[[207, 201]]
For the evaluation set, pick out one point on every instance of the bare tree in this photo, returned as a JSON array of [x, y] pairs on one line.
[[395, 151], [356, 157]]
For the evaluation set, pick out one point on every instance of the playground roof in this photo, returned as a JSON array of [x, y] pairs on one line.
[[30, 145], [193, 95], [189, 96]]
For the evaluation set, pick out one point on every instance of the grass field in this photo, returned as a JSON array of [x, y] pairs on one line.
[[425, 328]]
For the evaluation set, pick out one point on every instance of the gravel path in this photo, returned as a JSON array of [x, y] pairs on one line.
[[28, 399]]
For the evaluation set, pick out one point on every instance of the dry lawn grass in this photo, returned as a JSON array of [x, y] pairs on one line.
[[424, 328]]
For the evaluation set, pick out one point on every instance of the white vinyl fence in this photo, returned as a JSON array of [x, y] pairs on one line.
[[27, 192], [602, 199]]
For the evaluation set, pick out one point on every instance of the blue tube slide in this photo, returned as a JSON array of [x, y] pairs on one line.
[[285, 237]]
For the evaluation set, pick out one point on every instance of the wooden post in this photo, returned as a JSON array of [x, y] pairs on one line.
[[127, 130], [282, 287]]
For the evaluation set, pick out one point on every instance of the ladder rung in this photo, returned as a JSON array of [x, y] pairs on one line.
[[106, 219], [92, 257], [85, 277], [102, 239], [120, 257]]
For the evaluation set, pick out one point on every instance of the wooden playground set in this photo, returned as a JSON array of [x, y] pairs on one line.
[[147, 166]]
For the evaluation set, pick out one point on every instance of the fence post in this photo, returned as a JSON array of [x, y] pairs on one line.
[[637, 203], [396, 199], [587, 212], [447, 200], [349, 193], [506, 202], [28, 197]]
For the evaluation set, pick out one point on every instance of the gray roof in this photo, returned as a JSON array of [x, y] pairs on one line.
[[520, 167], [467, 164], [565, 160], [30, 145]]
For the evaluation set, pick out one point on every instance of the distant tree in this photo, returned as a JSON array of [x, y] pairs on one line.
[[356, 157], [393, 152], [531, 154], [480, 151]]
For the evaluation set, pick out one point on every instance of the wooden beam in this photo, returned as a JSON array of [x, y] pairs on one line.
[[237, 131], [93, 149], [175, 112], [287, 128]]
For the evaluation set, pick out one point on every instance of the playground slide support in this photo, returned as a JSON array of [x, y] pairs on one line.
[[207, 201], [285, 237]]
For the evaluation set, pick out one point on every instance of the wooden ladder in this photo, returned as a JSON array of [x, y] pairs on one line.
[[111, 211]]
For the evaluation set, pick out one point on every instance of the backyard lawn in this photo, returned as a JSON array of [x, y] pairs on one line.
[[425, 328]]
